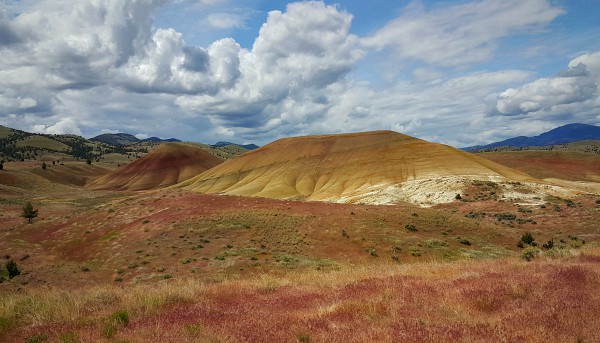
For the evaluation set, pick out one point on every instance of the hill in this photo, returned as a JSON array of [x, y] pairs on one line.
[[372, 167], [550, 164], [166, 165], [245, 146], [561, 135], [116, 139], [159, 140], [109, 149], [20, 145], [120, 139]]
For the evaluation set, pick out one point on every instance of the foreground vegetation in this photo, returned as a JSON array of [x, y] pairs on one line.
[[175, 266], [552, 299]]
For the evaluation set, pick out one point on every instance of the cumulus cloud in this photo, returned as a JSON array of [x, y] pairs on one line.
[[102, 66], [297, 55], [574, 88], [167, 65], [63, 126], [459, 34]]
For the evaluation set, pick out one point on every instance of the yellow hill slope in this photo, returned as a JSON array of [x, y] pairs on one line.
[[343, 168], [166, 165]]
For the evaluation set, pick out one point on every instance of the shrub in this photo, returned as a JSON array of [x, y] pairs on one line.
[[505, 216], [527, 238], [548, 245], [13, 270], [464, 241], [44, 165], [116, 320], [303, 337], [411, 227], [435, 243], [458, 197], [529, 253], [38, 338], [120, 317]]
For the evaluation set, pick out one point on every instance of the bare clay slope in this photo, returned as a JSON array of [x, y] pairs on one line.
[[166, 165], [342, 168]]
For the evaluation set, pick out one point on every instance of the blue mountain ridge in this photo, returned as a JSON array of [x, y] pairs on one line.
[[561, 135]]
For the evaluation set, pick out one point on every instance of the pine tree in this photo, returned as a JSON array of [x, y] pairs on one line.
[[29, 212]]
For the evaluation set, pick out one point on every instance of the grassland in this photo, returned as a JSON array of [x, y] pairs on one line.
[[507, 300], [176, 266]]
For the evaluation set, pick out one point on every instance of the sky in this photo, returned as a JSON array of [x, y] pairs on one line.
[[252, 71]]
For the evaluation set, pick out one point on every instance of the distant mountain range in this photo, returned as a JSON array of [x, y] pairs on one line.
[[245, 146], [561, 135], [118, 139]]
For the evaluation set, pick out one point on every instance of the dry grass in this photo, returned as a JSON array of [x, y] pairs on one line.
[[506, 300]]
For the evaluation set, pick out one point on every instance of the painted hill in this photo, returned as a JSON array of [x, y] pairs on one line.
[[561, 135], [166, 165], [372, 167]]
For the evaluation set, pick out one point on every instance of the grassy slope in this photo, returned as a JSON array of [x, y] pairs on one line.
[[190, 267], [5, 131], [40, 142]]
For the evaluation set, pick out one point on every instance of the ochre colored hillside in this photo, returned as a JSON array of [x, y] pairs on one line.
[[166, 165], [344, 168]]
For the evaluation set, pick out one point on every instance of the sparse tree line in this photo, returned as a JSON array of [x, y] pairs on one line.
[[79, 148]]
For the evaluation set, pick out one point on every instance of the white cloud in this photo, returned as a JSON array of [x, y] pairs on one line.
[[63, 126], [296, 56], [223, 20], [8, 103], [459, 34], [575, 90], [108, 131], [141, 136], [99, 64]]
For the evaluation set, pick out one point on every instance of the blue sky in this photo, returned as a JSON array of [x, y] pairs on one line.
[[456, 72]]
